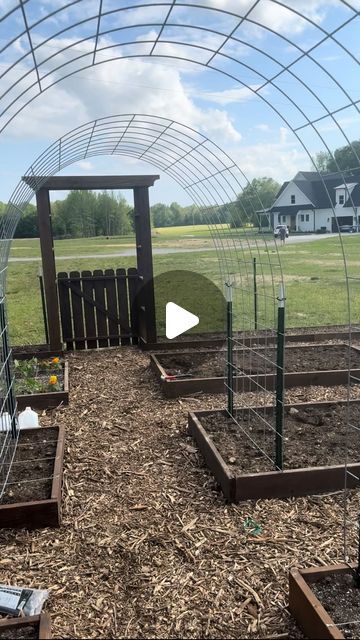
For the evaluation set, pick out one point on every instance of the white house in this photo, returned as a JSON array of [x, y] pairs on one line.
[[313, 202]]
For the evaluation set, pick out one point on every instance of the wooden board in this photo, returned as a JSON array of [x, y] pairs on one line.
[[41, 622], [97, 308], [23, 352], [65, 310], [238, 487], [77, 311], [100, 315], [208, 385], [123, 305], [133, 285], [89, 309], [47, 400], [220, 340], [111, 305], [40, 513], [307, 610]]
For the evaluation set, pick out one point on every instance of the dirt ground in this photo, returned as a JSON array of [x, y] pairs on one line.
[[148, 547], [260, 360], [34, 462], [313, 437], [341, 598]]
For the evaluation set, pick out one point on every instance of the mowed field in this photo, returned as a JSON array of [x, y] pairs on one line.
[[314, 273], [176, 237]]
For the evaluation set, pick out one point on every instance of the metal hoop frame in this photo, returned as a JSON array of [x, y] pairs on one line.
[[208, 175]]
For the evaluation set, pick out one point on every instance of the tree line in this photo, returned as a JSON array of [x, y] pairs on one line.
[[89, 214]]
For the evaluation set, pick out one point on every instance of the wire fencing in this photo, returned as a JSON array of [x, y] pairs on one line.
[[312, 99]]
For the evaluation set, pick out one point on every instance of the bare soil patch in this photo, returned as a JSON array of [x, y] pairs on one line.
[[312, 437], [30, 632], [341, 599], [31, 473], [260, 361]]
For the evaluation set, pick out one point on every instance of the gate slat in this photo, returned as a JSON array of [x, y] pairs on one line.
[[89, 309], [101, 319], [123, 305], [65, 310], [77, 312], [111, 306], [133, 287], [98, 309]]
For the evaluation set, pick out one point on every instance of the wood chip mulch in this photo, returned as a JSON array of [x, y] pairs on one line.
[[148, 547]]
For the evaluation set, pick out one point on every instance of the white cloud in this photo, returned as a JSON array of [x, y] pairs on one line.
[[283, 135], [228, 96], [275, 16], [85, 165], [280, 159], [126, 86], [262, 127]]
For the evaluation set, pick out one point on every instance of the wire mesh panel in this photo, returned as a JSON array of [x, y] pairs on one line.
[[292, 77], [9, 431]]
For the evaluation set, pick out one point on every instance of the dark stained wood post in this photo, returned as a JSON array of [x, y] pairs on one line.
[[140, 185], [147, 314], [49, 268]]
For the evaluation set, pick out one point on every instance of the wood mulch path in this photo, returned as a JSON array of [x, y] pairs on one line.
[[148, 547]]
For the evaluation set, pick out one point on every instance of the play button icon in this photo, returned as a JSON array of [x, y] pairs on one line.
[[178, 320]]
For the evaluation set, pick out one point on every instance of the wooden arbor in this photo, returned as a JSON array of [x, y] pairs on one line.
[[140, 187]]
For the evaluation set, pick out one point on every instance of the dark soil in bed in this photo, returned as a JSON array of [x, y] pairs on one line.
[[31, 473], [312, 437], [341, 599], [30, 632], [262, 361]]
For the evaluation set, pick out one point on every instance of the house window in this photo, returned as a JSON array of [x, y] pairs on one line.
[[341, 199], [292, 199], [307, 217], [301, 217], [284, 218]]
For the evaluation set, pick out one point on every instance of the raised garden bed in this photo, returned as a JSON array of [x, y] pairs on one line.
[[32, 497], [314, 437], [204, 371], [24, 351], [320, 598], [39, 384], [28, 628], [216, 340]]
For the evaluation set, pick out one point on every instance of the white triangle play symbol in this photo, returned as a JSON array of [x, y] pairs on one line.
[[178, 320]]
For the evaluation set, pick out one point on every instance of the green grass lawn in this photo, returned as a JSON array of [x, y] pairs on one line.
[[314, 274], [197, 235]]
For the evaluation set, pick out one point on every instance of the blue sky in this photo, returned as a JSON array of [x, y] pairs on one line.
[[222, 106]]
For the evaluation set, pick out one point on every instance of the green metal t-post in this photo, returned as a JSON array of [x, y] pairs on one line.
[[255, 296], [280, 358], [229, 336]]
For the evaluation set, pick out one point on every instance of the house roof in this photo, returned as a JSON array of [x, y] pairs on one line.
[[320, 189], [354, 198]]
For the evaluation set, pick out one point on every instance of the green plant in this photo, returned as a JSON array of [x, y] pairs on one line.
[[37, 376]]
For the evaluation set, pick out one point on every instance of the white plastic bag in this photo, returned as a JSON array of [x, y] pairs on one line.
[[17, 600]]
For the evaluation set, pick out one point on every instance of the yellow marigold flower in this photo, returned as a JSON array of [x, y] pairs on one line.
[[53, 380], [55, 360]]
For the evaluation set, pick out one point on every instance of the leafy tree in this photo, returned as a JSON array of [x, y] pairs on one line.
[[177, 215], [343, 158], [27, 226], [161, 215], [259, 194], [112, 215]]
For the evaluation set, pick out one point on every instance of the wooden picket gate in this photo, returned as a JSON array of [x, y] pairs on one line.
[[98, 309]]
